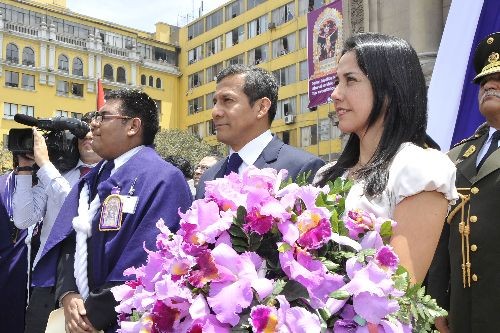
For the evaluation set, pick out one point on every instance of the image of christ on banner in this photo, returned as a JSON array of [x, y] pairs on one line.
[[324, 43]]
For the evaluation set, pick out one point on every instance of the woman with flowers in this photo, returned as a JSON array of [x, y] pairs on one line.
[[380, 99]]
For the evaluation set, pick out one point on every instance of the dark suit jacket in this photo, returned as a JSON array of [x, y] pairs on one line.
[[276, 155], [472, 308]]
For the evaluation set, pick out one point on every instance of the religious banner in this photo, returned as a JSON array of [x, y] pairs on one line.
[[324, 43]]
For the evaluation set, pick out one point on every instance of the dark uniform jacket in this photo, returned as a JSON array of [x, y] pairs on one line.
[[465, 272]]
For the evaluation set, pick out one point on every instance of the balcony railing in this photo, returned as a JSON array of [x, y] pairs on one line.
[[21, 29]]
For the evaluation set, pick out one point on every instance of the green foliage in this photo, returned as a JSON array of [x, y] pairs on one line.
[[182, 143], [6, 163]]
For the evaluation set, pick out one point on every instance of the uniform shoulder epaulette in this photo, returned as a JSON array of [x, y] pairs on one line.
[[480, 131]]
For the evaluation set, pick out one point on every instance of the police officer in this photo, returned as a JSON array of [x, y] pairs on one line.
[[465, 273]]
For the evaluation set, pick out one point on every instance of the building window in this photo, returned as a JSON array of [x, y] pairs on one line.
[[62, 88], [158, 83], [254, 3], [62, 113], [196, 129], [195, 105], [304, 103], [326, 130], [151, 81], [12, 53], [286, 107], [76, 115], [63, 63], [195, 54], [214, 19], [121, 75], [77, 89], [77, 67], [9, 110], [28, 110], [11, 79], [303, 70], [195, 29], [258, 55], [143, 79], [235, 36], [28, 82], [108, 72], [210, 127], [238, 60], [209, 100], [283, 14], [309, 135], [28, 56], [212, 72], [234, 9], [257, 26], [283, 45], [195, 80], [303, 38], [214, 46], [285, 75]]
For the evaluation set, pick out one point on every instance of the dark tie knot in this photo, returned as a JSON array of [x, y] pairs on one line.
[[106, 170], [495, 136], [233, 163], [493, 146]]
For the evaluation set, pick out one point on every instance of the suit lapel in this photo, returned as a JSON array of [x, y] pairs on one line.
[[270, 153]]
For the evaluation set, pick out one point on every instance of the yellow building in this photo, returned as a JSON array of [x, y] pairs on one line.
[[270, 34], [50, 59]]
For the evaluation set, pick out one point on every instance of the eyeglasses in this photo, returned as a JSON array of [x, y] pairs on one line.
[[99, 117]]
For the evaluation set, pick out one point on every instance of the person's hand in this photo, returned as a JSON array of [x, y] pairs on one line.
[[24, 161], [441, 324], [75, 315], [40, 148]]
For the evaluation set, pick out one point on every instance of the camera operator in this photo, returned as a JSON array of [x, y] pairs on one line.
[[37, 207]]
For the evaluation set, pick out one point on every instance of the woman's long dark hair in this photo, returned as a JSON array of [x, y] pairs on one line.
[[398, 84]]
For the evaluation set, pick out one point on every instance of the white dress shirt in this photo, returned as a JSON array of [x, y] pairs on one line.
[[252, 150]]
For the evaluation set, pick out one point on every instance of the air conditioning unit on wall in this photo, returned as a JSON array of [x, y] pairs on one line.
[[271, 25], [290, 119]]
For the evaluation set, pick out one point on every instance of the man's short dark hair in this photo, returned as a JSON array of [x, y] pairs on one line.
[[259, 83], [182, 164], [136, 103]]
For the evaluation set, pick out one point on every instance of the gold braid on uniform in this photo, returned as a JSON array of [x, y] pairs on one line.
[[464, 229]]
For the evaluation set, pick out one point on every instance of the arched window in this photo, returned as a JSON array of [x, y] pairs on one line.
[[63, 63], [120, 75], [158, 83], [108, 72], [77, 67], [151, 81], [143, 79], [28, 56], [12, 53]]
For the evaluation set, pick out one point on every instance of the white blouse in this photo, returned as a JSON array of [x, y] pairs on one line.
[[413, 170]]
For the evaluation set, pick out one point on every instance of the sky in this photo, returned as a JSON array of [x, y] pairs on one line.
[[143, 14]]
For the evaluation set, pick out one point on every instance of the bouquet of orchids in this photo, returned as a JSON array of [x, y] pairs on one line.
[[262, 255]]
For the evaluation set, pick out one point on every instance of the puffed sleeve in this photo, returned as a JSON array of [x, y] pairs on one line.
[[415, 170]]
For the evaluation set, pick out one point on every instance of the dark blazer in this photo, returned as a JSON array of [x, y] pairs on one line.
[[472, 308], [276, 155]]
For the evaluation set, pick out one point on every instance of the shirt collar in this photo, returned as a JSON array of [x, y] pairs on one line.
[[252, 150], [122, 159]]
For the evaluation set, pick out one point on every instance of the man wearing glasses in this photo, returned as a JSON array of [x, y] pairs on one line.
[[112, 212], [36, 208]]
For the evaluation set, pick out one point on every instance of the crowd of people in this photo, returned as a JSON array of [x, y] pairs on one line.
[[85, 226]]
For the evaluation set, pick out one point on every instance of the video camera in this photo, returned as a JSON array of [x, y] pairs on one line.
[[60, 137]]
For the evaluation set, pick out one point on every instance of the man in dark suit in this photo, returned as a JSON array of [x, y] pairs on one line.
[[465, 273], [245, 103]]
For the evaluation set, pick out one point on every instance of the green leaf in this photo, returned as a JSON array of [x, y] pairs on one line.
[[237, 231], [254, 241], [386, 230], [284, 247], [340, 294], [278, 286], [239, 242], [241, 213], [293, 290]]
